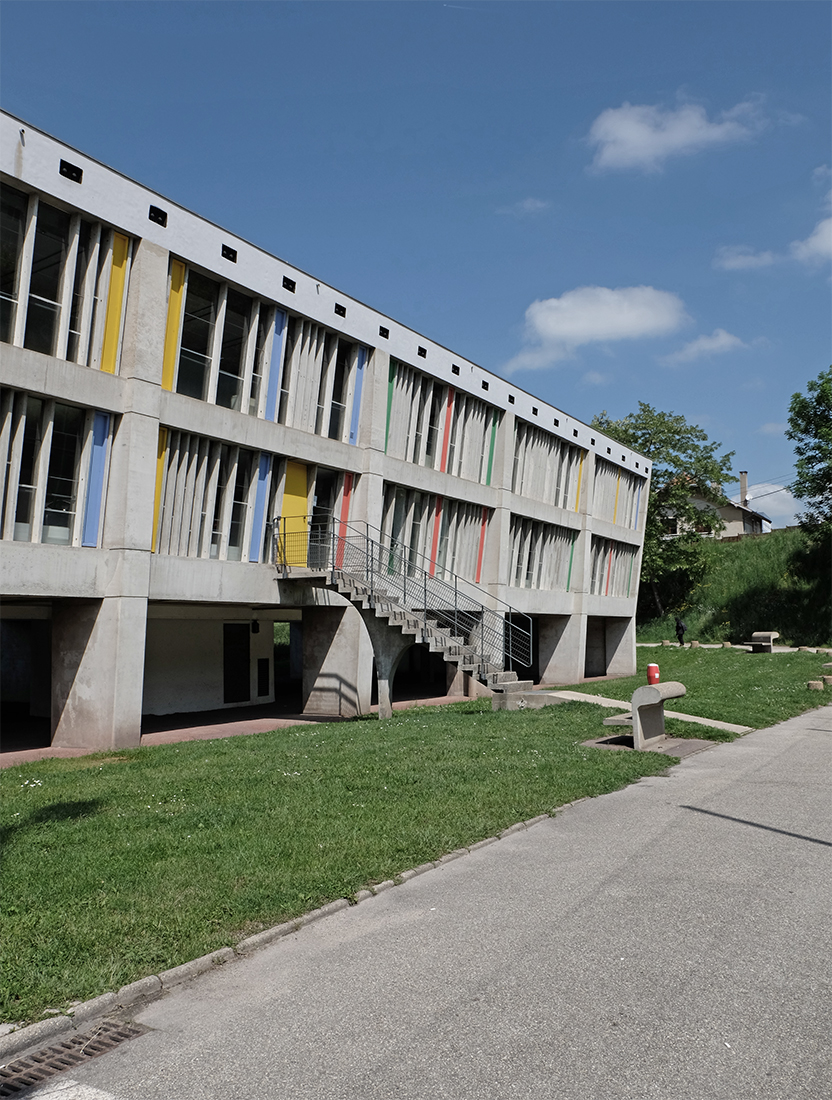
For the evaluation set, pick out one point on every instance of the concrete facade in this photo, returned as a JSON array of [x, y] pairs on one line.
[[172, 398]]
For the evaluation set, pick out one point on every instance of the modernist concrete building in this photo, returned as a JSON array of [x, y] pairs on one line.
[[200, 440]]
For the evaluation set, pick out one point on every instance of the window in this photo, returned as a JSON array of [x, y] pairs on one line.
[[541, 554], [219, 342], [545, 466], [319, 383], [197, 336], [612, 568], [63, 282], [54, 458], [617, 496], [207, 498]]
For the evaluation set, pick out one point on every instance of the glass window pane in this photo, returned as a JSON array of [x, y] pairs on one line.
[[62, 479], [197, 336], [28, 465], [51, 239], [13, 205]]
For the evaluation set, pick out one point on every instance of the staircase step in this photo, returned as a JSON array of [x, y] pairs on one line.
[[518, 685]]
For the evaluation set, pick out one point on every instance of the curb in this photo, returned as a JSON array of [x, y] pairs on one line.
[[44, 1032]]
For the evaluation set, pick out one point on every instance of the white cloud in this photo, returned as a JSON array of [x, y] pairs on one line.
[[717, 343], [739, 257], [643, 136], [772, 428], [595, 378], [817, 246], [525, 207], [555, 327], [822, 173]]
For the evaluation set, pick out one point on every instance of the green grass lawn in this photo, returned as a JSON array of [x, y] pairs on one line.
[[117, 866], [120, 865], [730, 685]]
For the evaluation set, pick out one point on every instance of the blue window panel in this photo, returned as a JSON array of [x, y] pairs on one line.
[[275, 365], [356, 401], [259, 508], [95, 479]]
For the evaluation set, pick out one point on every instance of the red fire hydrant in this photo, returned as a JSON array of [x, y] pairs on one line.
[[652, 674]]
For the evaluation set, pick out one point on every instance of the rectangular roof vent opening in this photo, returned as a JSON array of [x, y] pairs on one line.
[[72, 171], [556, 422], [511, 399], [384, 332], [340, 310], [575, 432], [229, 253], [484, 385], [454, 368], [422, 353], [154, 214], [289, 284]]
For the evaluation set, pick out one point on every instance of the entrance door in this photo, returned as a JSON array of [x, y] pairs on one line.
[[596, 647], [236, 661]]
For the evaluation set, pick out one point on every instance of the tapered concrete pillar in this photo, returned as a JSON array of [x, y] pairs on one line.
[[97, 672], [337, 662], [621, 647], [389, 646], [561, 644]]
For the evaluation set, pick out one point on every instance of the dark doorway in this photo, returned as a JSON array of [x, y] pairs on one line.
[[420, 675], [25, 683], [236, 662], [595, 663]]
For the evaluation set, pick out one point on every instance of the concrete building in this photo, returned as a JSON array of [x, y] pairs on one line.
[[200, 440]]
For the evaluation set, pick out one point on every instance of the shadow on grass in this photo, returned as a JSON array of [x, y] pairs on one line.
[[53, 814]]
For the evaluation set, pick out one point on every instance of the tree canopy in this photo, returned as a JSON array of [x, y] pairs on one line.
[[686, 467], [810, 429]]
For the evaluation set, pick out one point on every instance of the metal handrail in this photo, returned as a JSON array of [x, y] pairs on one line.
[[500, 635]]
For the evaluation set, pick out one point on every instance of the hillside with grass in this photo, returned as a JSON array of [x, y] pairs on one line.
[[769, 582]]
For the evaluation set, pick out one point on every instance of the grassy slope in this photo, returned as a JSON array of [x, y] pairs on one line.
[[730, 685], [122, 865], [750, 585]]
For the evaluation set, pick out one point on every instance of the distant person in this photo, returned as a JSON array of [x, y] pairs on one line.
[[680, 631]]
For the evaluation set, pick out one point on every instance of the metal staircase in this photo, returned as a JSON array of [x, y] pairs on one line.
[[470, 628]]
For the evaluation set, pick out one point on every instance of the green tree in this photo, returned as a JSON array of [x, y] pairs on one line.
[[810, 429], [685, 466]]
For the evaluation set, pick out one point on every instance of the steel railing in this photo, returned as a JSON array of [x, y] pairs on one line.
[[500, 636]]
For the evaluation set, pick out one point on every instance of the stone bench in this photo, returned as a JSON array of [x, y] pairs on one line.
[[762, 641], [648, 711]]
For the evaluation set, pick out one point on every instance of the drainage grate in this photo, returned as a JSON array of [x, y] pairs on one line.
[[43, 1064]]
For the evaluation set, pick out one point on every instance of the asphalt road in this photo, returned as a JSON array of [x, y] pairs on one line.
[[668, 941]]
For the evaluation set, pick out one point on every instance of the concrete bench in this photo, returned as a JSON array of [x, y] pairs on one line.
[[648, 711], [762, 641]]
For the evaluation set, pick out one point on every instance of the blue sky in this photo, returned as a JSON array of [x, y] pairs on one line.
[[611, 202]]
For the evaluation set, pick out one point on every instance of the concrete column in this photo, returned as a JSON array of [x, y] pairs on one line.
[[97, 672], [389, 646], [561, 645], [337, 662], [621, 647]]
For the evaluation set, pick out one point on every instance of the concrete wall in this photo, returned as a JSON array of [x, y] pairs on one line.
[[183, 667]]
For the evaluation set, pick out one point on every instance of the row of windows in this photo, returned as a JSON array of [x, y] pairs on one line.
[[218, 501], [545, 467], [541, 554], [612, 568], [617, 495], [434, 533], [63, 281], [55, 462], [437, 426]]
